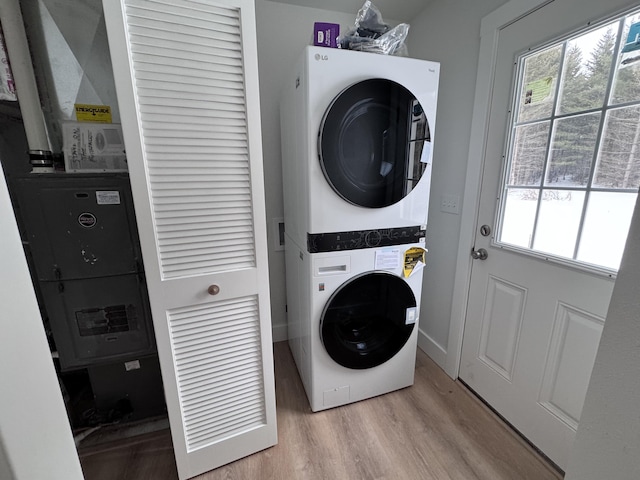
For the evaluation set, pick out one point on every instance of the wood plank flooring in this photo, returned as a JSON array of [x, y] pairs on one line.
[[434, 430]]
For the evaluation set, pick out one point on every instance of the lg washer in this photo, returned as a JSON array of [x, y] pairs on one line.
[[353, 320]]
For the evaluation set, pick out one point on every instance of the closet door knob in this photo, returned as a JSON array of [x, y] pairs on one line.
[[213, 289]]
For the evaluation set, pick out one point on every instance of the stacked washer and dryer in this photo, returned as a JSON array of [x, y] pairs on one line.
[[357, 132]]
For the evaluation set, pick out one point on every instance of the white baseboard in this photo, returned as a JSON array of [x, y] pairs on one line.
[[279, 332], [432, 349]]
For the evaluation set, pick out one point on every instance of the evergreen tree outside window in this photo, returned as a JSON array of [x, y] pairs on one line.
[[573, 167]]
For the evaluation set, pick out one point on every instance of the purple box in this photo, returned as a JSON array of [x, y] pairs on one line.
[[326, 34]]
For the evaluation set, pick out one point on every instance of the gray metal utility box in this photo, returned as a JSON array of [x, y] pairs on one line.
[[82, 236]]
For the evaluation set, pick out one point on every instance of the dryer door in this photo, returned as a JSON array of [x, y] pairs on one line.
[[368, 320], [371, 143]]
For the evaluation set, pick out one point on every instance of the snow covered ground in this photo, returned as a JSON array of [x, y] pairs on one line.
[[604, 232]]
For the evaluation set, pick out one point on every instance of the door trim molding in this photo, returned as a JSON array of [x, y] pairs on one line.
[[489, 30]]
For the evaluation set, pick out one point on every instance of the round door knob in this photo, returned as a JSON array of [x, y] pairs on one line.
[[213, 289], [480, 254]]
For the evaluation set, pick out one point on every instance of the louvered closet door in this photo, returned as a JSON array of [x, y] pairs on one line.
[[186, 78]]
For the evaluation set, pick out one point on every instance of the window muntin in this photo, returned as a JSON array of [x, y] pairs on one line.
[[573, 167]]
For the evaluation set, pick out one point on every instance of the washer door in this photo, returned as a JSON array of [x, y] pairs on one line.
[[371, 143], [368, 320]]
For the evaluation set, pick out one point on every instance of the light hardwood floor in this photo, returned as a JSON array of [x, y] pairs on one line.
[[434, 430]]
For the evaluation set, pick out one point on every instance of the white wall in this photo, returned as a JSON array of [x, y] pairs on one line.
[[283, 32], [5, 469], [35, 435], [608, 440], [448, 31]]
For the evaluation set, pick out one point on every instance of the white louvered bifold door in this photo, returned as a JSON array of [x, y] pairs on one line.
[[187, 82]]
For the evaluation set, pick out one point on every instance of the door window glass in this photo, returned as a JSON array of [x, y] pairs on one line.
[[374, 143], [573, 167], [365, 323]]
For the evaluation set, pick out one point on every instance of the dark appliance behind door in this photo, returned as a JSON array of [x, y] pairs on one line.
[[81, 232]]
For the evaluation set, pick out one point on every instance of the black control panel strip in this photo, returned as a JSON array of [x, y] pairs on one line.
[[359, 239]]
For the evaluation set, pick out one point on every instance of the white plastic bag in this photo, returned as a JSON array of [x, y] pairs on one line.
[[371, 34]]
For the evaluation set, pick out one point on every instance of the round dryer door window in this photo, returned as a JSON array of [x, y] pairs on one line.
[[371, 143], [368, 320]]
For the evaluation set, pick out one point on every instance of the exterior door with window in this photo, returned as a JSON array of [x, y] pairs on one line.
[[560, 179], [187, 81]]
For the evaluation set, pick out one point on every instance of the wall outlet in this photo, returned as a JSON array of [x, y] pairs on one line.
[[450, 204]]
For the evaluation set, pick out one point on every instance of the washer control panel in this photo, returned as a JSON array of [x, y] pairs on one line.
[[359, 239]]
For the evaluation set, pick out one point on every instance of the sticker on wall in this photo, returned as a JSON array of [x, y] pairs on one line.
[[631, 49], [414, 261], [633, 38], [93, 113], [538, 91]]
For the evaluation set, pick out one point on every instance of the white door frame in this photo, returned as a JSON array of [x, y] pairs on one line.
[[489, 31]]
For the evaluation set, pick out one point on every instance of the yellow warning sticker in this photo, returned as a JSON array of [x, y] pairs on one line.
[[414, 260], [93, 113]]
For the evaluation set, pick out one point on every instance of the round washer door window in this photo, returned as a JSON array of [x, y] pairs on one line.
[[371, 143], [368, 320]]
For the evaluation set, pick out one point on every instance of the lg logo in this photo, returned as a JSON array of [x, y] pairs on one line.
[[322, 57]]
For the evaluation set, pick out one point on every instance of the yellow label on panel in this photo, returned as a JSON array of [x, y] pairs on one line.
[[93, 113], [412, 258]]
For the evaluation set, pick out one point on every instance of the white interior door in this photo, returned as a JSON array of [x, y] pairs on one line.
[[186, 78], [533, 324]]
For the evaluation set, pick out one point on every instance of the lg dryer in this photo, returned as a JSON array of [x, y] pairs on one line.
[[357, 133]]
